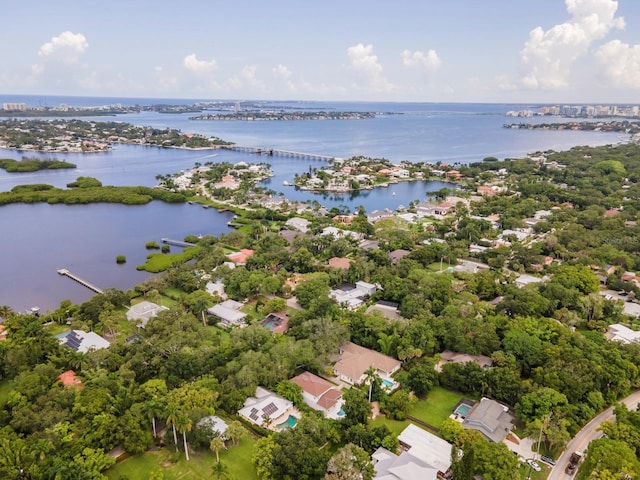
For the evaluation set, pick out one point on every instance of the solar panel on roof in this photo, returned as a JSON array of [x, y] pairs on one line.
[[270, 409], [73, 341], [253, 416]]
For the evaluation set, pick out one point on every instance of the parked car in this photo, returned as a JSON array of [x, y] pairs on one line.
[[534, 465], [548, 460]]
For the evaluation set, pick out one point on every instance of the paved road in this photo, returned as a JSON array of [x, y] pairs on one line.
[[589, 432]]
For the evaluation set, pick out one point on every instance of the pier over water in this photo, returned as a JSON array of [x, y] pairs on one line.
[[66, 273]]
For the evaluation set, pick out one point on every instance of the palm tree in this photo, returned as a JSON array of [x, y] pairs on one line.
[[6, 311], [184, 425], [172, 417], [217, 444], [154, 408], [235, 431], [370, 376], [220, 471]]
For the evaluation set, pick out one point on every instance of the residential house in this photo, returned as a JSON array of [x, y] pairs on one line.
[[470, 267], [143, 312], [277, 322], [352, 296], [491, 419], [340, 263], [268, 410], [241, 257], [631, 309], [524, 280], [83, 342], [453, 175], [435, 210], [215, 425], [4, 333], [377, 215], [216, 288], [386, 309], [354, 361], [623, 334], [339, 233], [423, 456], [396, 255], [448, 356], [70, 380], [228, 314], [297, 223], [320, 395]]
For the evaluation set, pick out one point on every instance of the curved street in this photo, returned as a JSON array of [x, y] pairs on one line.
[[589, 432]]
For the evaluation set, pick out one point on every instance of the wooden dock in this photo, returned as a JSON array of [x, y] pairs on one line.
[[177, 243], [66, 273]]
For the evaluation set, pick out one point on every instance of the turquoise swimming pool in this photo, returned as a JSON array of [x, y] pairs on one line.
[[462, 410], [387, 383], [288, 423]]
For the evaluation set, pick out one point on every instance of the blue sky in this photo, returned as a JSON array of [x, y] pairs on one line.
[[419, 50]]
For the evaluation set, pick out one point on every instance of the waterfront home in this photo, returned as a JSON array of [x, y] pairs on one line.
[[491, 419], [354, 361], [339, 233], [320, 395], [376, 215], [143, 312], [268, 410], [228, 314], [423, 456], [431, 209], [83, 342]]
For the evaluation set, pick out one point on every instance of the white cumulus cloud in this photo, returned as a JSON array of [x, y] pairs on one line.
[[281, 72], [620, 63], [429, 61], [368, 70], [67, 47], [193, 64], [548, 55]]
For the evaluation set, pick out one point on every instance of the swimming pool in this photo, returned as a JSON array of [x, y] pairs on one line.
[[462, 409], [288, 423], [387, 383], [341, 413]]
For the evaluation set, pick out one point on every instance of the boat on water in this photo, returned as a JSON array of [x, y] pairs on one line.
[[393, 193], [285, 183]]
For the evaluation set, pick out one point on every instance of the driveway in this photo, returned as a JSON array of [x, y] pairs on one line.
[[589, 432]]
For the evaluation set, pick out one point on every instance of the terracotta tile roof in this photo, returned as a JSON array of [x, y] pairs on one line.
[[69, 379], [330, 398], [355, 360], [312, 384]]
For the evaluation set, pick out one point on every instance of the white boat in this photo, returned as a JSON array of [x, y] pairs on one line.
[[285, 183], [393, 193]]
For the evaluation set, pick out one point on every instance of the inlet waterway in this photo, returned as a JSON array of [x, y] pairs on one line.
[[36, 240]]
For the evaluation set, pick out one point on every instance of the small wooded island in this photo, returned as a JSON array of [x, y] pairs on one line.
[[32, 164]]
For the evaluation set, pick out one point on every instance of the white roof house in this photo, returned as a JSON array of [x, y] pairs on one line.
[[630, 308], [620, 333], [300, 224], [525, 279], [423, 457], [229, 314], [144, 311], [266, 409], [83, 342], [215, 424]]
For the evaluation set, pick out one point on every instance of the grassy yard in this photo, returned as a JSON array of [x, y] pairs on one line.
[[523, 472], [140, 467], [437, 407], [394, 425]]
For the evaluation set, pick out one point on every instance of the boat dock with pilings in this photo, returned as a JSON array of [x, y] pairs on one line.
[[177, 243], [66, 273]]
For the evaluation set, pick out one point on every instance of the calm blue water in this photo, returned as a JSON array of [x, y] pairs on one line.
[[38, 239]]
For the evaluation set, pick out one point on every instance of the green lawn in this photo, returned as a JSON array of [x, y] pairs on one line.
[[140, 467], [523, 472], [437, 407], [394, 425]]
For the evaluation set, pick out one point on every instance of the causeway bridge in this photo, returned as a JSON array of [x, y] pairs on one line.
[[66, 273], [280, 152]]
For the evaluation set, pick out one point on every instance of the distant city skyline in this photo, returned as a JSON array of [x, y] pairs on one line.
[[547, 51]]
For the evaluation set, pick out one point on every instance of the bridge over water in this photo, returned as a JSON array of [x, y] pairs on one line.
[[280, 152]]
